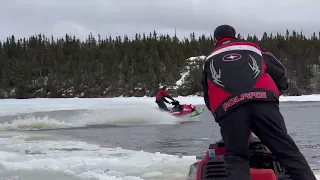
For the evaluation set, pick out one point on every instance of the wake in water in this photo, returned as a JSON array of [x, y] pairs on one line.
[[124, 115], [34, 123]]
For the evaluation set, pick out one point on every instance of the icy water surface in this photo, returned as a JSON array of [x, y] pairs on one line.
[[121, 140]]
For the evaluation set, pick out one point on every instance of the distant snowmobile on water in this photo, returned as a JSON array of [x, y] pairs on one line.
[[185, 109]]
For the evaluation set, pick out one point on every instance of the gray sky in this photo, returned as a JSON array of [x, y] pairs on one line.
[[118, 17]]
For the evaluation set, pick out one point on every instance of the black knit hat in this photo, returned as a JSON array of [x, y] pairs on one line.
[[224, 31]]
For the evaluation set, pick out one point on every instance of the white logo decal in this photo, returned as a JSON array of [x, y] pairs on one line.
[[216, 76], [255, 68], [231, 57]]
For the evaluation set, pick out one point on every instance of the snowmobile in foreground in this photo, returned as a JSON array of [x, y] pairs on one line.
[[263, 165], [185, 109]]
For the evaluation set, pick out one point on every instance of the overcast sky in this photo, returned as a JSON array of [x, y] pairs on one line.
[[118, 17]]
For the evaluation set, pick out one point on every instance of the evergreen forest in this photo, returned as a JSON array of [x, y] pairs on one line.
[[45, 66]]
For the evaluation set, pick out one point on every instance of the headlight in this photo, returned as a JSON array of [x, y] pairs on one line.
[[192, 172]]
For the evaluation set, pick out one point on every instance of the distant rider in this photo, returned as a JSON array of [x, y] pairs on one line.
[[242, 85], [161, 98]]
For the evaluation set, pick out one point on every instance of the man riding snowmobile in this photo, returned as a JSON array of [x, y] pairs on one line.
[[242, 85], [161, 99]]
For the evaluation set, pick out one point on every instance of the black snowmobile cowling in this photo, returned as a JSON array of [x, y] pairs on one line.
[[263, 165]]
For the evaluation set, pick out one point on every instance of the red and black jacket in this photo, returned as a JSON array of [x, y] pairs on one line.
[[237, 72], [162, 95]]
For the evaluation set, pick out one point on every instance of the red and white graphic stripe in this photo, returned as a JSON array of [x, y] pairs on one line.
[[237, 46]]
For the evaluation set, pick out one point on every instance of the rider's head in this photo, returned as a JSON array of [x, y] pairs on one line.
[[164, 88], [224, 31]]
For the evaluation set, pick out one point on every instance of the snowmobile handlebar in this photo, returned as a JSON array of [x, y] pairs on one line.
[[175, 102]]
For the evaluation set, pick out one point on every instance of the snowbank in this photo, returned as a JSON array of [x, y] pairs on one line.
[[10, 105]]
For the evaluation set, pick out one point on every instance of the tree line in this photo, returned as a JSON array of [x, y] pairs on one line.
[[44, 66]]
